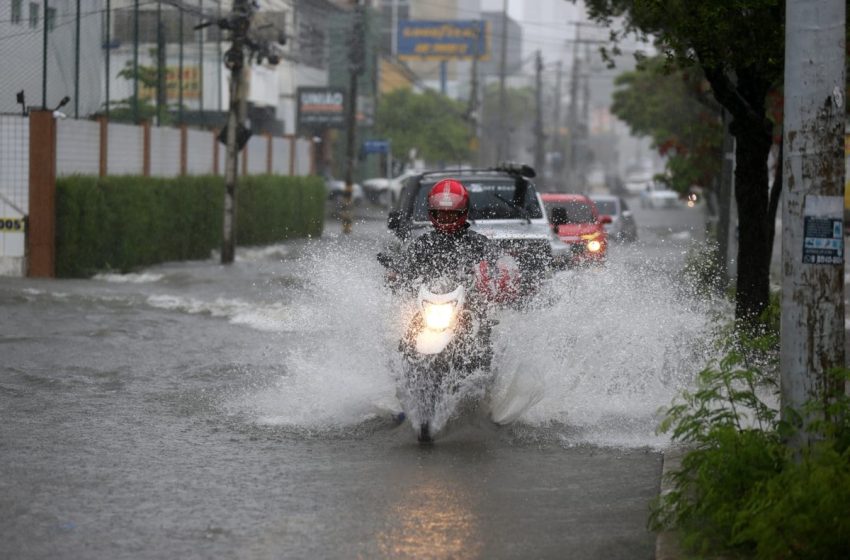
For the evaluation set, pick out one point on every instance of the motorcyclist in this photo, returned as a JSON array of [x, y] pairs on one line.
[[452, 249]]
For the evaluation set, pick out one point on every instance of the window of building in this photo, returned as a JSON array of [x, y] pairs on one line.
[[50, 18], [33, 15], [402, 13], [311, 44], [17, 10], [124, 26]]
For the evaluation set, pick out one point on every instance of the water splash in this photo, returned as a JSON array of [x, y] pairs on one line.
[[591, 361]]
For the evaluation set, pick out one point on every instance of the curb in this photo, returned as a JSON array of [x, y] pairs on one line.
[[667, 545]]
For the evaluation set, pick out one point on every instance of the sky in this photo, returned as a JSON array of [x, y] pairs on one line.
[[545, 23]]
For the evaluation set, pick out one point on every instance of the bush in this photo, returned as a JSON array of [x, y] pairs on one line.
[[122, 223], [740, 490], [804, 511]]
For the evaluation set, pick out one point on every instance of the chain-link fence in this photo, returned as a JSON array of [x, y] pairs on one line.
[[131, 60], [14, 191]]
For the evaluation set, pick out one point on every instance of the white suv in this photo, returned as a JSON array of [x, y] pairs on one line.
[[504, 206]]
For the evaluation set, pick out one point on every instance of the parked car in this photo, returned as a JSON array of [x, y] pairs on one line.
[[622, 226], [577, 222], [504, 206], [657, 196], [384, 191], [336, 191]]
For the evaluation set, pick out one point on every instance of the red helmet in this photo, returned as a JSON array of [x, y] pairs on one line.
[[448, 206]]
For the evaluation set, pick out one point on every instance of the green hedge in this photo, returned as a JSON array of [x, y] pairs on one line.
[[122, 223]]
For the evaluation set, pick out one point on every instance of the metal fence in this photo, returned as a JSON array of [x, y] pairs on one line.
[[130, 60]]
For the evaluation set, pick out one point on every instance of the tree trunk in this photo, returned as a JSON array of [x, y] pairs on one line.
[[755, 227]]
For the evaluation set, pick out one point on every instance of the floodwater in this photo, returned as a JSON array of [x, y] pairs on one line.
[[193, 410]]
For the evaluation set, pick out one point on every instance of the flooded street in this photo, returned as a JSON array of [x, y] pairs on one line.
[[193, 410]]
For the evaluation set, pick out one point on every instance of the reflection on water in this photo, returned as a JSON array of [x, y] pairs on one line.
[[432, 519]]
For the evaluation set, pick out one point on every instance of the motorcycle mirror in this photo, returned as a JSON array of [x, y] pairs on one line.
[[394, 220]]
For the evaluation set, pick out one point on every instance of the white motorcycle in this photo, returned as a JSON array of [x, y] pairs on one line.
[[446, 356]]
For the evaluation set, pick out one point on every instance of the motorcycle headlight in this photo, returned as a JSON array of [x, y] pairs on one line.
[[594, 246], [438, 316]]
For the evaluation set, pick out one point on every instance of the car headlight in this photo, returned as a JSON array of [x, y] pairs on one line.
[[594, 246], [438, 316]]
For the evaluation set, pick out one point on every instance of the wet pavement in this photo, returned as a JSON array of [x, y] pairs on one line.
[[193, 410]]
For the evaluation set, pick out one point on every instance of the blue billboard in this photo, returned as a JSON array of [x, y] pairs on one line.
[[441, 40]]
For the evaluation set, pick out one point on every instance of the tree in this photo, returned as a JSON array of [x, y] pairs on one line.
[[146, 108], [520, 106], [430, 123], [675, 108], [740, 48]]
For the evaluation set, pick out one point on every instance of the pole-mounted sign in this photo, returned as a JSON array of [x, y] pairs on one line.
[[320, 107], [823, 230], [442, 40]]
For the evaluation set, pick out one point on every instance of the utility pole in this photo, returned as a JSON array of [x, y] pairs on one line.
[[539, 139], [501, 141], [394, 29], [357, 54], [812, 323], [472, 106], [136, 62], [161, 94], [576, 137], [556, 135], [572, 117], [234, 59], [583, 138]]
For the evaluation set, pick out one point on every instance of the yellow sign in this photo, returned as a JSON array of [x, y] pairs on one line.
[[8, 225], [191, 84], [442, 40]]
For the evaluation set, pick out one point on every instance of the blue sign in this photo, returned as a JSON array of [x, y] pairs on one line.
[[441, 40], [376, 146]]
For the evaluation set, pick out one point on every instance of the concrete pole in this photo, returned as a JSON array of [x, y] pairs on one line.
[[572, 119], [556, 134], [812, 328], [394, 29], [356, 66], [539, 140], [235, 116], [501, 141]]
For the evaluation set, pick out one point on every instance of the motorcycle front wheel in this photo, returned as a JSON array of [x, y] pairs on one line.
[[424, 435]]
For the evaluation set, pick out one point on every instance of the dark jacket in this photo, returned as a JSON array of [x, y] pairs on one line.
[[454, 255]]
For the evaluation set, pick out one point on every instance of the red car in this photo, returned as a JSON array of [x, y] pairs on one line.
[[576, 220]]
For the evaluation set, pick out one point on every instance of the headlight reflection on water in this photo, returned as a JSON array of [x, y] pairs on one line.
[[432, 520]]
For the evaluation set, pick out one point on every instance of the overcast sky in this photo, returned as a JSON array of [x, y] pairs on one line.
[[545, 23]]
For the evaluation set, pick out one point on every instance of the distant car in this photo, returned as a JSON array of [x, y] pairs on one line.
[[578, 224], [336, 191], [622, 226], [637, 182], [658, 197]]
